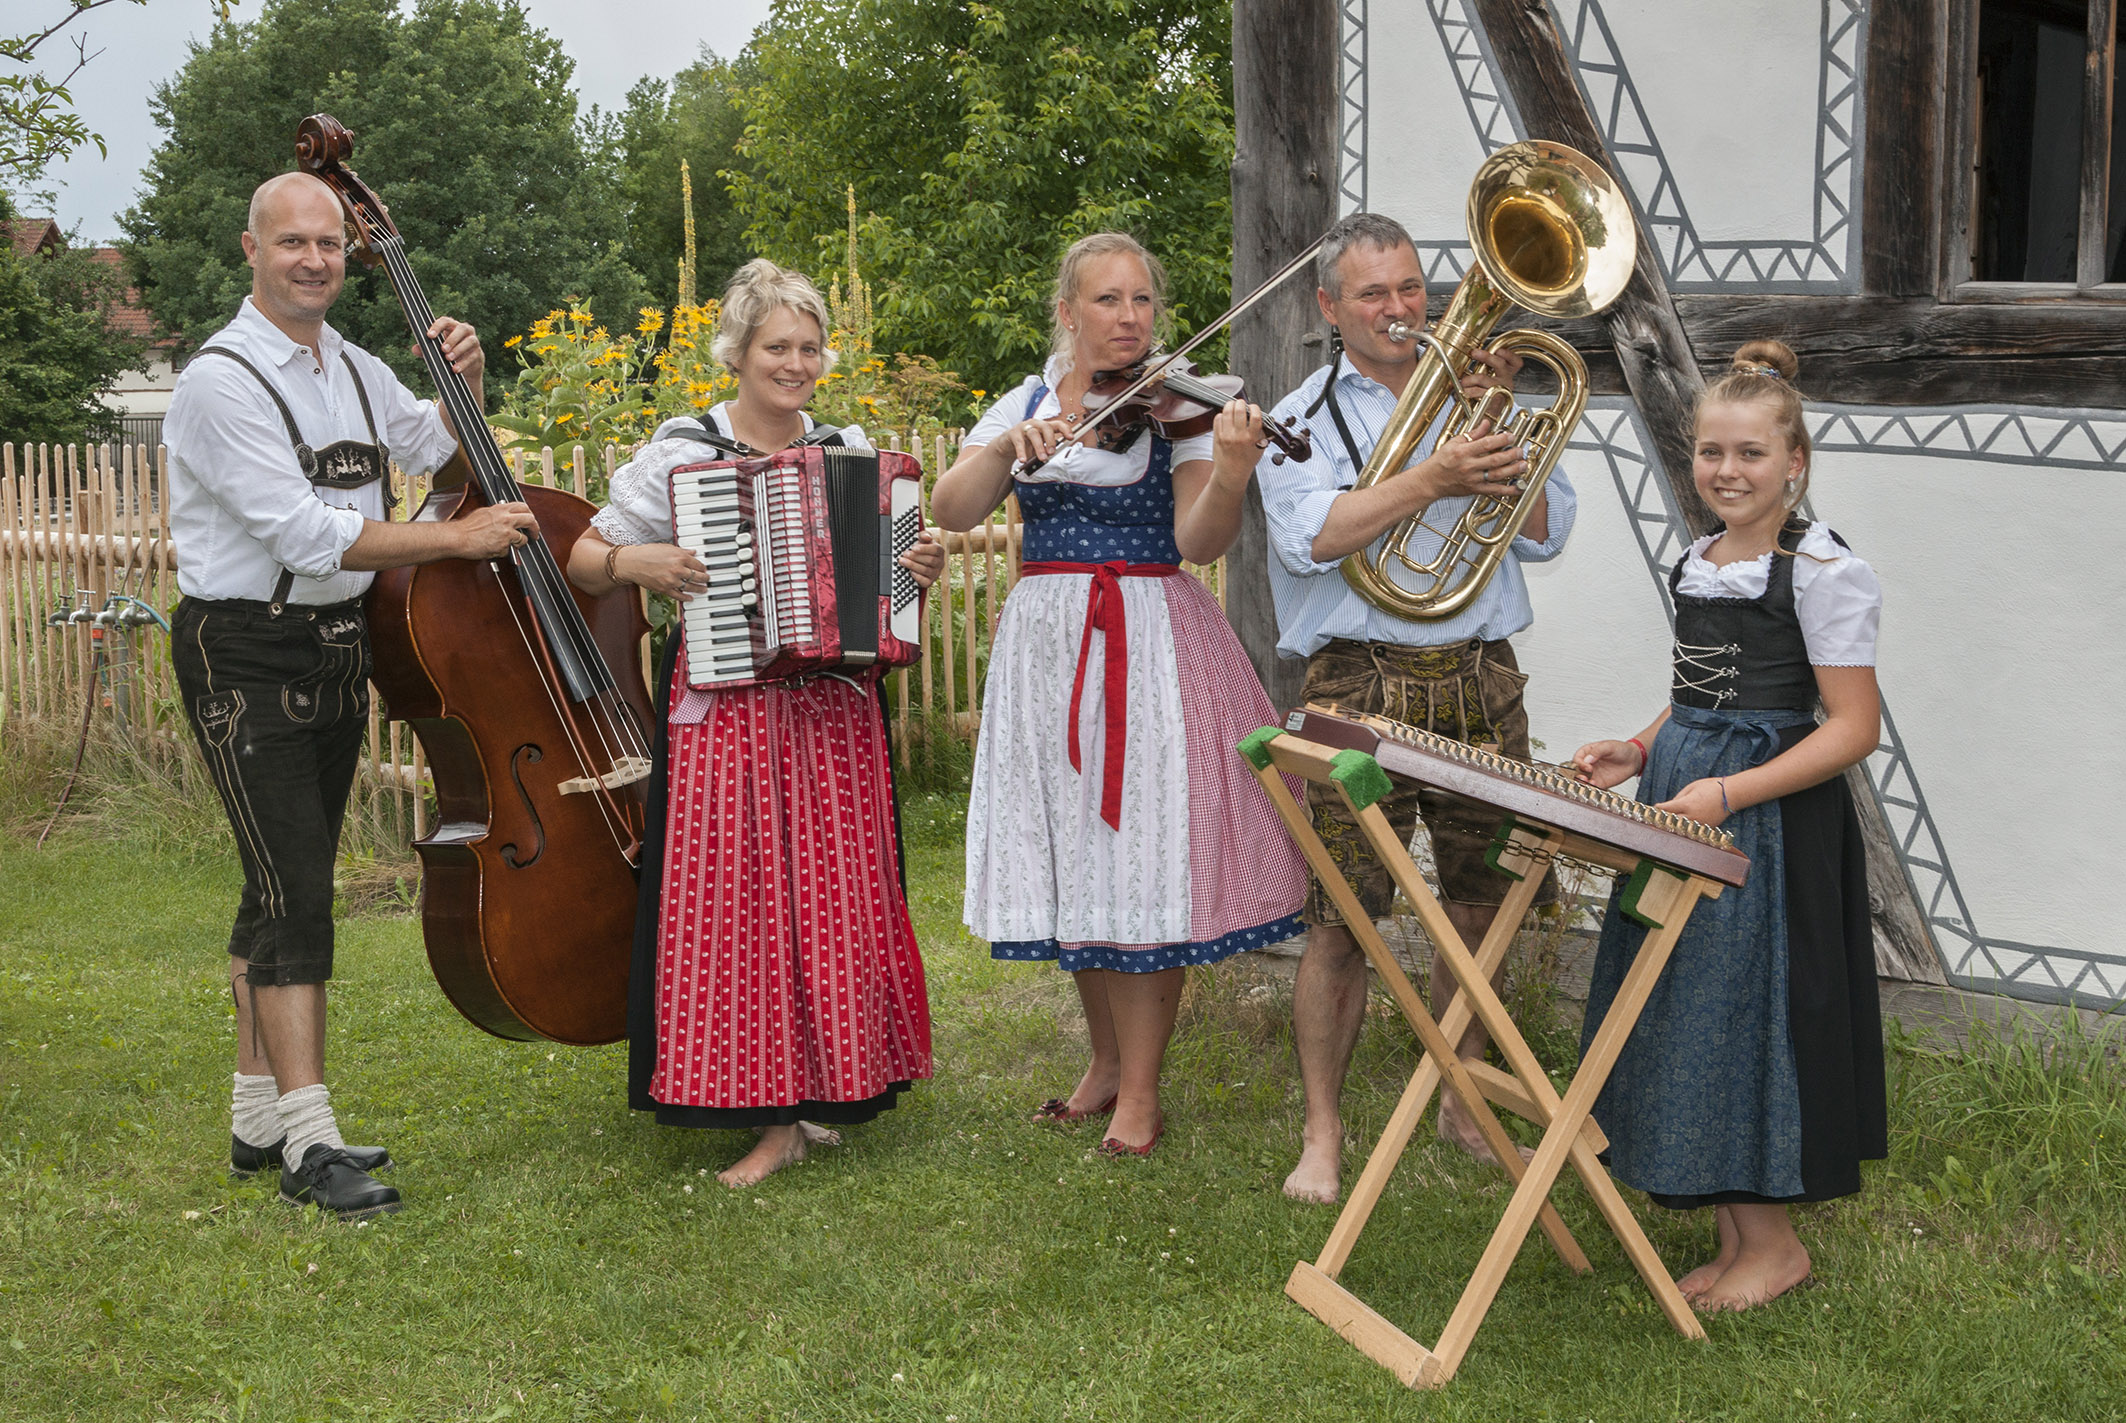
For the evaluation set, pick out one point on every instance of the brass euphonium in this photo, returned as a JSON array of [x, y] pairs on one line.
[[1553, 233]]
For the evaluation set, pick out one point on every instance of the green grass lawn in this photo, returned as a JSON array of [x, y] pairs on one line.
[[561, 1258]]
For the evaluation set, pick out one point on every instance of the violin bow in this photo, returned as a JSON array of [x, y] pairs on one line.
[[1233, 313]]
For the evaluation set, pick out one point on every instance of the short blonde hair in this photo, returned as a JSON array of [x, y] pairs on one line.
[[756, 291], [1764, 371], [1070, 276]]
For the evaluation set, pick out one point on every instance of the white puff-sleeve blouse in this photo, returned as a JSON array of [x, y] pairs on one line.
[[638, 507], [1836, 595], [1076, 464]]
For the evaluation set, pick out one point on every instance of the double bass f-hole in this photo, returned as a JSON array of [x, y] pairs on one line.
[[518, 759]]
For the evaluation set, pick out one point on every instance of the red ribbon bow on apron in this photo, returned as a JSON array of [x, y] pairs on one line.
[[1104, 613]]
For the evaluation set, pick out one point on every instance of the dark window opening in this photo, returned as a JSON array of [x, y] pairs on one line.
[[2028, 201], [2115, 214]]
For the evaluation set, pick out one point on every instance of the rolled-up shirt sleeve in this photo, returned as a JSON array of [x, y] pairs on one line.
[[1564, 507], [271, 501], [1296, 497]]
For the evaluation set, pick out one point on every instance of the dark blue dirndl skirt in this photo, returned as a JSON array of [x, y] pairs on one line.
[[1755, 1072]]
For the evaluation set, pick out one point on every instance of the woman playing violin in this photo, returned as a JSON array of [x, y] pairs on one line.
[[1111, 827], [776, 982]]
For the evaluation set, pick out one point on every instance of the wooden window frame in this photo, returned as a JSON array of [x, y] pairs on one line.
[[1960, 130]]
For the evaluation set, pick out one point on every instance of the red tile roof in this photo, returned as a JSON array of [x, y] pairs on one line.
[[33, 234], [129, 316]]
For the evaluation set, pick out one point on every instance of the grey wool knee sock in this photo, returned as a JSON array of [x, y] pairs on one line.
[[254, 1110], [306, 1116]]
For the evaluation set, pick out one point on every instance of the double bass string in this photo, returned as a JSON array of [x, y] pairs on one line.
[[615, 728]]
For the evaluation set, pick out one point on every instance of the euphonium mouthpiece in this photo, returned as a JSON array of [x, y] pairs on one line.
[[1400, 331]]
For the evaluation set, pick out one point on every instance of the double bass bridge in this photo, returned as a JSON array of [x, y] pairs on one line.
[[626, 770]]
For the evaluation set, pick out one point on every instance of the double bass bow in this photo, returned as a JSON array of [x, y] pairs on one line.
[[529, 700]]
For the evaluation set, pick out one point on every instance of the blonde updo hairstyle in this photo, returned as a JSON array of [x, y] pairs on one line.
[[756, 291], [1070, 278], [1764, 371]]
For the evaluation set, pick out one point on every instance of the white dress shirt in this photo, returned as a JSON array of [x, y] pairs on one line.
[[1314, 604], [240, 508], [1836, 595]]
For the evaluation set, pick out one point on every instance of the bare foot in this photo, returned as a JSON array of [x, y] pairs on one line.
[[1697, 1282], [779, 1147], [1458, 1128], [1757, 1277], [817, 1135], [1095, 1091], [1318, 1178]]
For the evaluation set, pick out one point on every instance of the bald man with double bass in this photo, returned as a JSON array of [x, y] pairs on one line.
[[281, 435]]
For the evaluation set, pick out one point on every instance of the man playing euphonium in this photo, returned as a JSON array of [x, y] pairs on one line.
[[1455, 676]]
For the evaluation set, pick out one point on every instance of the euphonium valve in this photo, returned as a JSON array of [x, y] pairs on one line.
[[1550, 232]]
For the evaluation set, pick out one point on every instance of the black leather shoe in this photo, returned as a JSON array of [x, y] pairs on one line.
[[329, 1179], [246, 1160]]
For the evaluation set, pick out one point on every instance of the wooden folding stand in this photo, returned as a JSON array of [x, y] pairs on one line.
[[1656, 895]]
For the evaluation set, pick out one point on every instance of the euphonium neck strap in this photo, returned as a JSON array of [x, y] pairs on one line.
[[1328, 398]]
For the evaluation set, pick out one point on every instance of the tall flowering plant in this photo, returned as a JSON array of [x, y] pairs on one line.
[[580, 384]]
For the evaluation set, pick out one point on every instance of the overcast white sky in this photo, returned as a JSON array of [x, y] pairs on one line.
[[614, 43]]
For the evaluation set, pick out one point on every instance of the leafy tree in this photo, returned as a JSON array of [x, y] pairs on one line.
[[58, 352], [697, 117], [465, 125], [983, 139], [38, 124]]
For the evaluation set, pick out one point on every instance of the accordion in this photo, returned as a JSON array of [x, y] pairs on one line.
[[802, 550]]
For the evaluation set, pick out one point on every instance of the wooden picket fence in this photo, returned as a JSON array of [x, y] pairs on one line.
[[82, 530]]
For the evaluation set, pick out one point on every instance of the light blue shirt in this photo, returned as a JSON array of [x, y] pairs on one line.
[[1314, 603]]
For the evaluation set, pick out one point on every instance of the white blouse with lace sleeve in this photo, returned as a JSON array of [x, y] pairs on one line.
[[638, 507], [1837, 597]]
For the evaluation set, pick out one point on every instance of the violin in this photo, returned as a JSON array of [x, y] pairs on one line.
[[1176, 403], [529, 699], [1171, 388], [1181, 404]]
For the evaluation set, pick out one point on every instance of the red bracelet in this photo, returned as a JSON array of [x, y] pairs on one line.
[[1643, 757]]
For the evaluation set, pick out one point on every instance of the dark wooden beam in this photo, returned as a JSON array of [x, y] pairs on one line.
[[1858, 350], [1659, 368], [1654, 353], [1901, 197], [1284, 196]]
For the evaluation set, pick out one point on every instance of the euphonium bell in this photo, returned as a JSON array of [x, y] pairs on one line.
[[1553, 233]]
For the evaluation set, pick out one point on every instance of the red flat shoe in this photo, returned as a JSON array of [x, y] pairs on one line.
[[1056, 1110], [1112, 1147]]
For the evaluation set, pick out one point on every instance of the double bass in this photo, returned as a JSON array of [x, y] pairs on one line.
[[529, 700]]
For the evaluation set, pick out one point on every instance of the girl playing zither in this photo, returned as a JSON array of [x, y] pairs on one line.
[[1755, 1077]]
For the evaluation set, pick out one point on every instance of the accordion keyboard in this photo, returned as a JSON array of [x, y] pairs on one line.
[[710, 519]]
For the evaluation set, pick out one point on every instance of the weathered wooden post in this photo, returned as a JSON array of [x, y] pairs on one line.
[[1284, 195]]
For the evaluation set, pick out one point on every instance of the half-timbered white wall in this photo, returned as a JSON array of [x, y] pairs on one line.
[[1739, 131]]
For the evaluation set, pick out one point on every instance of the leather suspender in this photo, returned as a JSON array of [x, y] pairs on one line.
[[305, 457], [1328, 398]]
